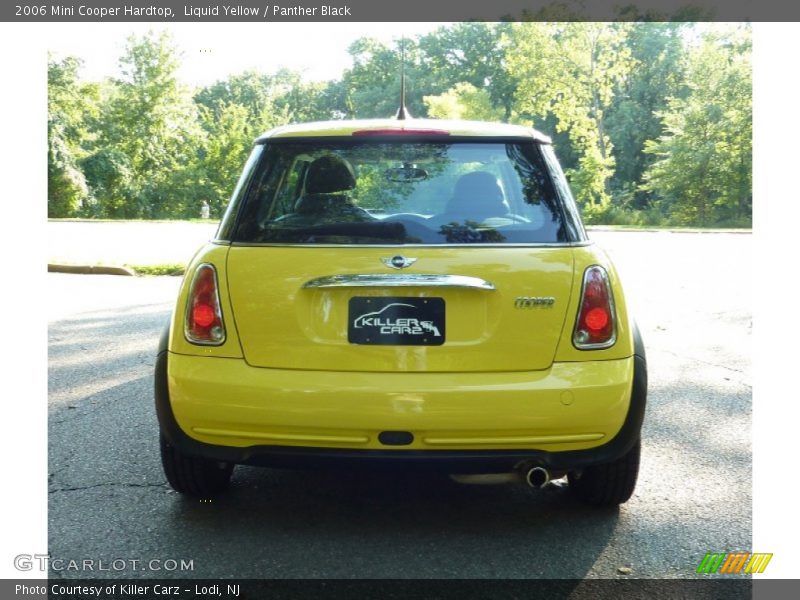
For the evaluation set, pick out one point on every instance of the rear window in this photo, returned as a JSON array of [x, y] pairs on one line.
[[351, 192]]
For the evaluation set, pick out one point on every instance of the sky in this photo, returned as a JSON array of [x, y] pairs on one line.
[[212, 51]]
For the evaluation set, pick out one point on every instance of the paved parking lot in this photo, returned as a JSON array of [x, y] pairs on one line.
[[108, 498]]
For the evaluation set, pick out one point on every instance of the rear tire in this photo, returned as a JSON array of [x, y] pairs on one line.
[[193, 475], [607, 484]]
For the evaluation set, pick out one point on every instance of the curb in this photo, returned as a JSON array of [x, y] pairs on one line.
[[90, 269]]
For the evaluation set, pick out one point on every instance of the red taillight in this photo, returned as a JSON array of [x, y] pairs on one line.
[[203, 313], [415, 132], [597, 319], [595, 327]]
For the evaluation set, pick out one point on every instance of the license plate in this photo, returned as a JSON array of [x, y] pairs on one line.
[[396, 321]]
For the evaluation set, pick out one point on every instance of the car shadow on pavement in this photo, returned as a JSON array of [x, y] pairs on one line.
[[428, 524], [109, 498]]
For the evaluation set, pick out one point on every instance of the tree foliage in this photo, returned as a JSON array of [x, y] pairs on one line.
[[475, 54], [69, 105], [463, 101], [153, 121], [658, 54], [652, 121], [703, 166], [570, 70]]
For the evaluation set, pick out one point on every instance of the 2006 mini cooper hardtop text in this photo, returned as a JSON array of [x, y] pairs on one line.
[[403, 292]]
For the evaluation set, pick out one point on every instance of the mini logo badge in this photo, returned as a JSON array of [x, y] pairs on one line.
[[398, 262]]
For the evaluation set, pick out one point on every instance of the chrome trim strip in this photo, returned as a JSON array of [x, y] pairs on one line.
[[282, 437], [523, 439], [400, 280], [398, 247]]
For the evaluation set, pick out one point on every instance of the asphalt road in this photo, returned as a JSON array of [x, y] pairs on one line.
[[109, 499]]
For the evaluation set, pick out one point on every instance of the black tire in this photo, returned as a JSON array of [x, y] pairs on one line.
[[608, 484], [193, 475]]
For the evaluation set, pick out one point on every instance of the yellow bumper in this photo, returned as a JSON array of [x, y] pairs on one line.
[[571, 406]]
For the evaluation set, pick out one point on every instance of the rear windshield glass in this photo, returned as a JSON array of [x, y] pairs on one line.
[[401, 193]]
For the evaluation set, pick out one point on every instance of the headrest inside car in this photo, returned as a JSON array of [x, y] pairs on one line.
[[476, 196], [480, 185], [329, 175]]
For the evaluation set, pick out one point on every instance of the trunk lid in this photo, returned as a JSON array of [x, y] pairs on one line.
[[286, 322]]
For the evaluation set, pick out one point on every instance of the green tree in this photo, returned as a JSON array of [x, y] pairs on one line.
[[570, 70], [152, 121], [463, 101], [270, 99], [703, 166], [228, 143], [69, 104], [645, 116], [298, 100], [372, 84], [235, 111], [108, 172], [66, 185], [254, 91], [472, 53], [659, 55]]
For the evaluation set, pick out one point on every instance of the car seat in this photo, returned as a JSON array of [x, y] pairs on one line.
[[476, 197], [327, 181]]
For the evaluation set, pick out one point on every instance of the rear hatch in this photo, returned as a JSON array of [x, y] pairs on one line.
[[389, 252], [302, 308]]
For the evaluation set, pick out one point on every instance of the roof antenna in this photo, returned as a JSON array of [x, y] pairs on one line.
[[402, 112]]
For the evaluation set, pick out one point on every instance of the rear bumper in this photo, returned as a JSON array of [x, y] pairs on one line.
[[225, 410]]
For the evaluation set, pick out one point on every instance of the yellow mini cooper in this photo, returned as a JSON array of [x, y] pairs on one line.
[[403, 292]]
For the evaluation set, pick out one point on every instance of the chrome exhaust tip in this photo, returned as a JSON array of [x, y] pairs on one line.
[[537, 477]]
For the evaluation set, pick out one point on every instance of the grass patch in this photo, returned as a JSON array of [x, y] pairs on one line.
[[676, 228], [105, 220], [168, 269]]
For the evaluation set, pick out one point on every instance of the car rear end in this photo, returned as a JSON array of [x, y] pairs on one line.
[[407, 292]]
